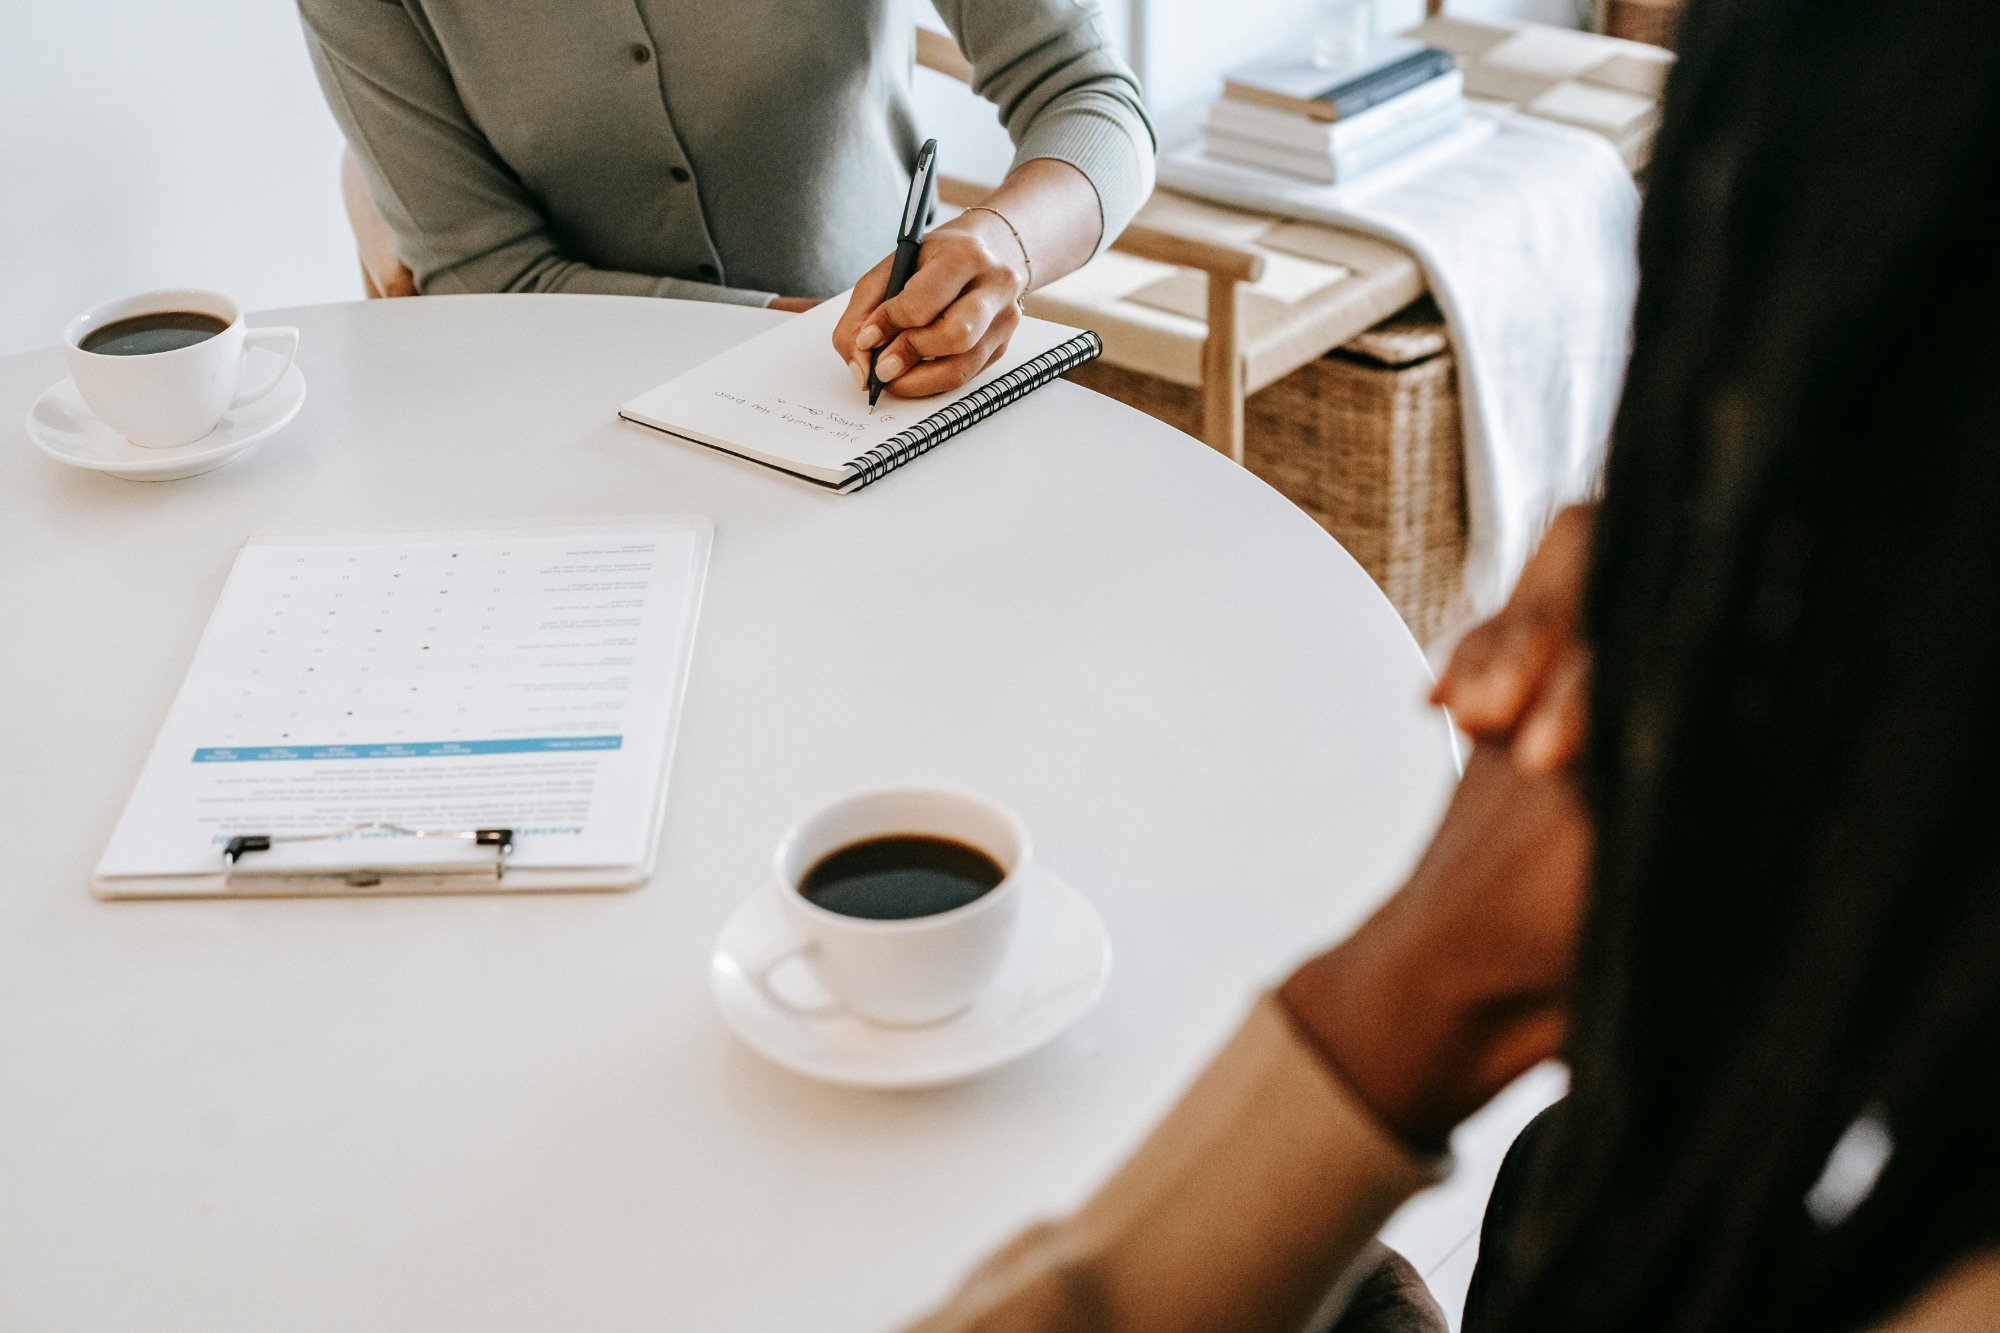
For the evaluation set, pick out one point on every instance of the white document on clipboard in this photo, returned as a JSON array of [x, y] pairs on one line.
[[360, 705]]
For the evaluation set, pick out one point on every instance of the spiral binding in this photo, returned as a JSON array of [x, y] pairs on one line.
[[975, 407]]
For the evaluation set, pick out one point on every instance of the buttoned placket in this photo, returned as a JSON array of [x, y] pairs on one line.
[[681, 172]]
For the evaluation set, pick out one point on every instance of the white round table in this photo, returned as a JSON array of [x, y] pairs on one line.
[[523, 1112]]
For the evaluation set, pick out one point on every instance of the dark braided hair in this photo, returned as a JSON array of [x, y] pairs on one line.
[[1795, 613]]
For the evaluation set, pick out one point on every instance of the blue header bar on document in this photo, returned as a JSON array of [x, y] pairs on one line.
[[215, 754]]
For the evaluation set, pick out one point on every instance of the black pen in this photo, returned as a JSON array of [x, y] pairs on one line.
[[909, 239]]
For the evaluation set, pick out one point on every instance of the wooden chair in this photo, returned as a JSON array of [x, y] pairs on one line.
[[1651, 21], [383, 273], [1223, 266]]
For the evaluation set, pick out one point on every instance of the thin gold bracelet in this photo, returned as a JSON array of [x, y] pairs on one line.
[[1026, 260]]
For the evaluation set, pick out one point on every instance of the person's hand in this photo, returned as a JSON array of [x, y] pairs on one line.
[[1459, 983], [951, 320], [792, 305], [1522, 678]]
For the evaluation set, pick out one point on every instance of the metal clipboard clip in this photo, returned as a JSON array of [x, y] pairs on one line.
[[501, 840]]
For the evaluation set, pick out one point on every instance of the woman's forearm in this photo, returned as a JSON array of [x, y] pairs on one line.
[[962, 305], [1055, 217], [1064, 96]]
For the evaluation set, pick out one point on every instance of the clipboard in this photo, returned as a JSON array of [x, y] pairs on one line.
[[626, 589]]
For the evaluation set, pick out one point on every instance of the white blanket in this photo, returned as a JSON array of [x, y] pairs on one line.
[[1526, 231]]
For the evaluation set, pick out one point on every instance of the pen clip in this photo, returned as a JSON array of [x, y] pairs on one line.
[[923, 190]]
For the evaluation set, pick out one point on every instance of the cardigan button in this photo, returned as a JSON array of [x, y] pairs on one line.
[[681, 174], [641, 53]]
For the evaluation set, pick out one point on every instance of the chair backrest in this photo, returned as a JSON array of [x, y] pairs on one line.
[[383, 272]]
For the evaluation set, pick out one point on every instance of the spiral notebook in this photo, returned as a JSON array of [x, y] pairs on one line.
[[784, 399]]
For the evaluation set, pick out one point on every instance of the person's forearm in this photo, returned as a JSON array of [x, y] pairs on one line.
[[1459, 983], [1053, 207], [459, 223], [532, 265], [1242, 1209], [1050, 71]]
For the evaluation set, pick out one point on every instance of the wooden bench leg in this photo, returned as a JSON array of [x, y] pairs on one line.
[[1222, 371]]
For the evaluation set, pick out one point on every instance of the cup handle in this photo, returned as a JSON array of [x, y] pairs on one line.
[[761, 976], [285, 334]]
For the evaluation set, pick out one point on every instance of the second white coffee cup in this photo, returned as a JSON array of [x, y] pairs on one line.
[[908, 971], [162, 399]]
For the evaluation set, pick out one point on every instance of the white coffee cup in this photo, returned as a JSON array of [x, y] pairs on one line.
[[910, 971], [162, 399]]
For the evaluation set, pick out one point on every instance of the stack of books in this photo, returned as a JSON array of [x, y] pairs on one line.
[[1290, 116]]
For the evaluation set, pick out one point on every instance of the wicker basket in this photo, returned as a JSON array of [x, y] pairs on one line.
[[1367, 440]]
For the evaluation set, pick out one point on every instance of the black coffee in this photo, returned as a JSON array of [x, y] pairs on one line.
[[901, 876], [164, 331]]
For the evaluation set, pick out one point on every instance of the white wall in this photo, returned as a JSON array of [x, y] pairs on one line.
[[1179, 48], [150, 143]]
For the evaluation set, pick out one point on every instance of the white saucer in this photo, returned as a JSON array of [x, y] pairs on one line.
[[1053, 974], [68, 431]]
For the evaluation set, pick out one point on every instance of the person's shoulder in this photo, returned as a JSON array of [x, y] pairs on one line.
[[1962, 1301]]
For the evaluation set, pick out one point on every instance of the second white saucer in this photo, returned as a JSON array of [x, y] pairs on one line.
[[63, 427], [1053, 974]]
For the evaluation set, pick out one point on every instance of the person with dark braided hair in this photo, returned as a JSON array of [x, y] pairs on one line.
[[1723, 843]]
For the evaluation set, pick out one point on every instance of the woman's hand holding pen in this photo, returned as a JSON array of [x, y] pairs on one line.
[[956, 313], [951, 321]]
